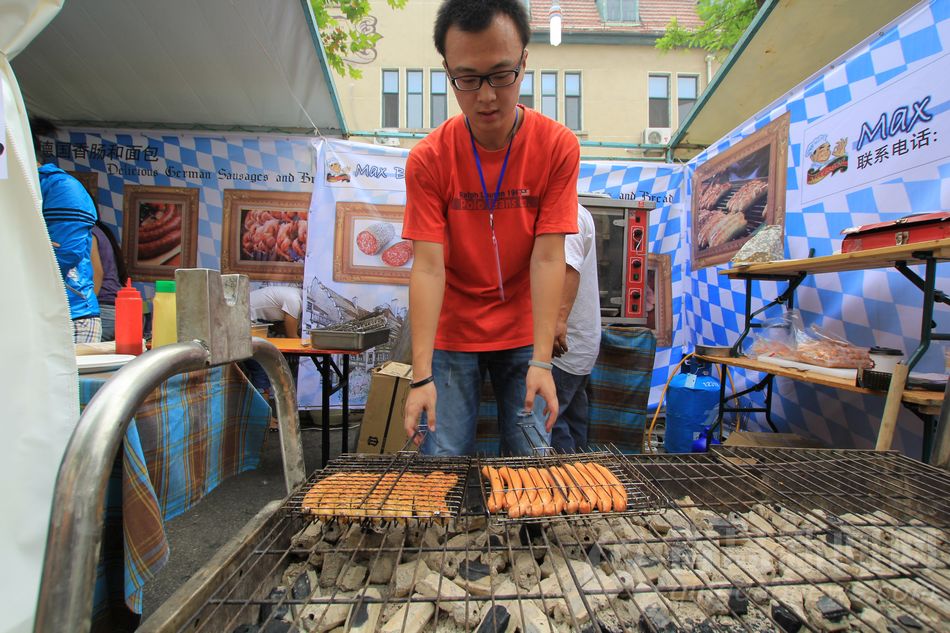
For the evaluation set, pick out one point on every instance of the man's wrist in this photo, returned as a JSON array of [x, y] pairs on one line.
[[540, 364]]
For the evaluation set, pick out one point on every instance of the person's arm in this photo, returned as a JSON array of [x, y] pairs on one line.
[[426, 289], [291, 326], [572, 280], [97, 272], [547, 285]]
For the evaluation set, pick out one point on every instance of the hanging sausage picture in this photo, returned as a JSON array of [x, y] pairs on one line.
[[159, 233], [159, 230], [368, 246]]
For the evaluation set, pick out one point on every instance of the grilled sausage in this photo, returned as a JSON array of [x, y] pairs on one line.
[[496, 500], [557, 496], [584, 487], [617, 490], [604, 501], [513, 494], [570, 497], [584, 504], [545, 500]]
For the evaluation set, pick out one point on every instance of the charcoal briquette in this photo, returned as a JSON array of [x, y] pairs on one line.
[[495, 620], [655, 619], [830, 609], [301, 589], [279, 611], [247, 628], [786, 619], [473, 570], [909, 621], [738, 601]]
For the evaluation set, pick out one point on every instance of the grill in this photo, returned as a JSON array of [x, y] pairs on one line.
[[737, 540]]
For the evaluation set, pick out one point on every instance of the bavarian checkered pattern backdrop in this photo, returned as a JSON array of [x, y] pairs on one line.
[[867, 308]]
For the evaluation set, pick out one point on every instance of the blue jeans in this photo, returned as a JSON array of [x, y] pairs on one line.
[[458, 381], [569, 434]]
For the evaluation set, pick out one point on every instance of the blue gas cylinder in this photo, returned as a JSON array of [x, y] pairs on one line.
[[692, 403]]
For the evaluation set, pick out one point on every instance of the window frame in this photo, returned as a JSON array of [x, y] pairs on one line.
[[555, 95], [695, 76], [526, 82], [433, 94], [669, 99], [601, 10], [383, 94], [579, 96], [420, 94]]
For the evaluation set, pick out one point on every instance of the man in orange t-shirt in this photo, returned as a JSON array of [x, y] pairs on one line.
[[490, 195]]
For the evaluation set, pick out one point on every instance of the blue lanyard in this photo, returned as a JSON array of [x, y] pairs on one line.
[[481, 174], [494, 199]]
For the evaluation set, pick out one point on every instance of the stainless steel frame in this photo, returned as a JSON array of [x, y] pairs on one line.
[[75, 531]]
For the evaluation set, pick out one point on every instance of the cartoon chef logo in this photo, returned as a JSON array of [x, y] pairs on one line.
[[337, 173], [826, 161]]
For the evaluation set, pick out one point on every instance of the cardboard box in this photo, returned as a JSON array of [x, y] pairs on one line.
[[381, 430]]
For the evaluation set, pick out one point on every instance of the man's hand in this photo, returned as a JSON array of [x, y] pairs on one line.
[[560, 338], [419, 400], [540, 382]]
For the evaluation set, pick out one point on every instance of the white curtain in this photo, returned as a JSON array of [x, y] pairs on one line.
[[38, 383]]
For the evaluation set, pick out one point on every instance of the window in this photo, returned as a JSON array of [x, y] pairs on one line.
[[438, 103], [687, 87], [619, 10], [413, 98], [572, 100], [526, 96], [659, 101], [549, 94], [390, 98]]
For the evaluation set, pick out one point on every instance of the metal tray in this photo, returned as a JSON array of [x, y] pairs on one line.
[[348, 341]]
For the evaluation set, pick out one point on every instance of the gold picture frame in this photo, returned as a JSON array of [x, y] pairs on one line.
[[728, 191], [350, 262], [264, 234], [90, 182], [660, 283], [159, 230]]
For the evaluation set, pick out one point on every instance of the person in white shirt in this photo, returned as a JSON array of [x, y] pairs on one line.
[[577, 337], [278, 304]]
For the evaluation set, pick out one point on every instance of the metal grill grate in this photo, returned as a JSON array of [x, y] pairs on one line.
[[384, 488], [641, 496], [754, 540]]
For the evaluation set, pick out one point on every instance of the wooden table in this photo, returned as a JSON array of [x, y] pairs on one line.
[[924, 404], [323, 359]]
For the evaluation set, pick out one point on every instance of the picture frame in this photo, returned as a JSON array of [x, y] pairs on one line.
[[660, 283], [90, 182], [364, 235], [264, 234], [738, 191], [159, 230]]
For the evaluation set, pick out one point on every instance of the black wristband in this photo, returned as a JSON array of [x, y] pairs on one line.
[[421, 383]]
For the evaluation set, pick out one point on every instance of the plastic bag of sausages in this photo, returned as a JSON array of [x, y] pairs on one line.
[[787, 337]]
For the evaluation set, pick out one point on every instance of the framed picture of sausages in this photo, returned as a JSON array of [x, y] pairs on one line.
[[737, 191], [367, 245], [659, 298], [264, 235], [159, 230]]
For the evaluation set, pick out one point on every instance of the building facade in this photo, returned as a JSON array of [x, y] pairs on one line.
[[606, 80]]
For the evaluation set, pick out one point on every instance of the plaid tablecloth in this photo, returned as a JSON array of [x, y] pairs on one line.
[[619, 392], [189, 435]]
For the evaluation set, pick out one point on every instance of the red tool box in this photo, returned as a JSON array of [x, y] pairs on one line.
[[911, 229]]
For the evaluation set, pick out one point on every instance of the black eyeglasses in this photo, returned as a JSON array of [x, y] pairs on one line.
[[499, 79]]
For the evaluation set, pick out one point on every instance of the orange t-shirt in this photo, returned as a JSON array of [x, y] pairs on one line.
[[445, 204]]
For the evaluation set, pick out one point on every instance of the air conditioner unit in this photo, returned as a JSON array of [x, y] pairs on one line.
[[388, 141], [657, 135]]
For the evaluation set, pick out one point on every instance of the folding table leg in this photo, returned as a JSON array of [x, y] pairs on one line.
[[326, 387]]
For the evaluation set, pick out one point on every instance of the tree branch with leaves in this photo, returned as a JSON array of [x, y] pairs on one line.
[[348, 32], [724, 22]]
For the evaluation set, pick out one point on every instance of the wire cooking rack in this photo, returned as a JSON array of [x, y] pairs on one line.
[[400, 486], [642, 497]]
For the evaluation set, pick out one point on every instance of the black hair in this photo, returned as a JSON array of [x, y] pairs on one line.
[[116, 252], [474, 16], [40, 127]]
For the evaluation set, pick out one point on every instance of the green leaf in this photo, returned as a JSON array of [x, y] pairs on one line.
[[724, 22]]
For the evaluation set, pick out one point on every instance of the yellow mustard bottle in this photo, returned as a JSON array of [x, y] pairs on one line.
[[164, 314]]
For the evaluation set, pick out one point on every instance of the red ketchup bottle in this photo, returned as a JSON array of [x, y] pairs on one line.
[[128, 320]]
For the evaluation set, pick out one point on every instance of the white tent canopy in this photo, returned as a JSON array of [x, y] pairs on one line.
[[183, 64]]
